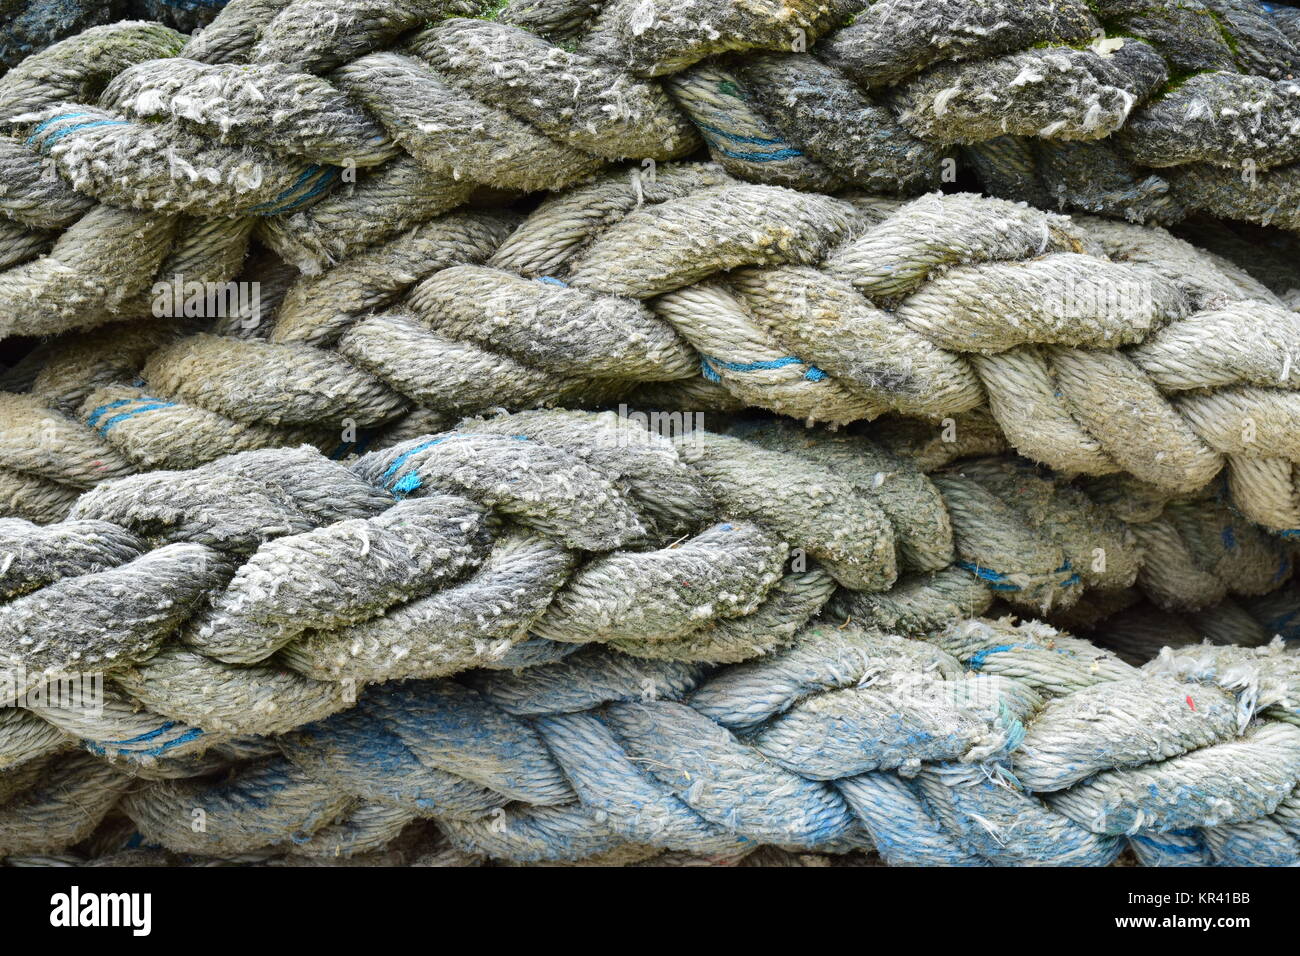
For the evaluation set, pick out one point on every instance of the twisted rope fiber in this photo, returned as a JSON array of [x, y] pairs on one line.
[[291, 580], [237, 123], [371, 826], [1266, 485], [250, 118], [29, 26], [1146, 111], [159, 136], [1099, 347]]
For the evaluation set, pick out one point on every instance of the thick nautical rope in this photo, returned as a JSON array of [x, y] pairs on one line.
[[1138, 110], [237, 601], [262, 116], [1149, 110], [29, 26], [1100, 347], [984, 743], [265, 111]]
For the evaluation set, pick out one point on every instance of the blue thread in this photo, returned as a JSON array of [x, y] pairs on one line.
[[707, 369], [977, 659], [1072, 579], [150, 735], [46, 124], [326, 180], [94, 416], [135, 411], [758, 366], [411, 480], [307, 173], [401, 459], [121, 746], [192, 734], [406, 484], [1229, 538], [270, 207], [55, 137], [787, 153], [1166, 847], [984, 574], [551, 280], [738, 138]]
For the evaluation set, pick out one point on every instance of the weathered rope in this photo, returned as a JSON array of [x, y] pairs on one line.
[[1137, 630], [239, 122], [1010, 745], [29, 26], [229, 605], [1100, 347], [263, 115], [1142, 111], [276, 630]]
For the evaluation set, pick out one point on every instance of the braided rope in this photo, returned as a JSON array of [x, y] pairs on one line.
[[228, 606], [1088, 339], [238, 122], [1149, 110], [235, 610], [29, 26], [265, 113]]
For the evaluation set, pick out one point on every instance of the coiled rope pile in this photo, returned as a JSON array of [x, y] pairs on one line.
[[556, 635], [235, 608]]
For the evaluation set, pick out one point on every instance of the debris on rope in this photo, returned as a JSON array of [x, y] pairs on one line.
[[1100, 347], [263, 630]]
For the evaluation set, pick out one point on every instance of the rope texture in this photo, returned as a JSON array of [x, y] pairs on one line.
[[263, 115], [266, 113], [29, 26], [1101, 348], [234, 603], [230, 605]]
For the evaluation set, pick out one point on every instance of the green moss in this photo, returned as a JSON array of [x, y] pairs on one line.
[[1176, 79], [492, 9], [1224, 32]]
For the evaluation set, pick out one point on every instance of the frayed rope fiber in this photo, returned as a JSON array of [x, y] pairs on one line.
[[29, 26], [272, 616], [1101, 348], [294, 118], [356, 572]]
